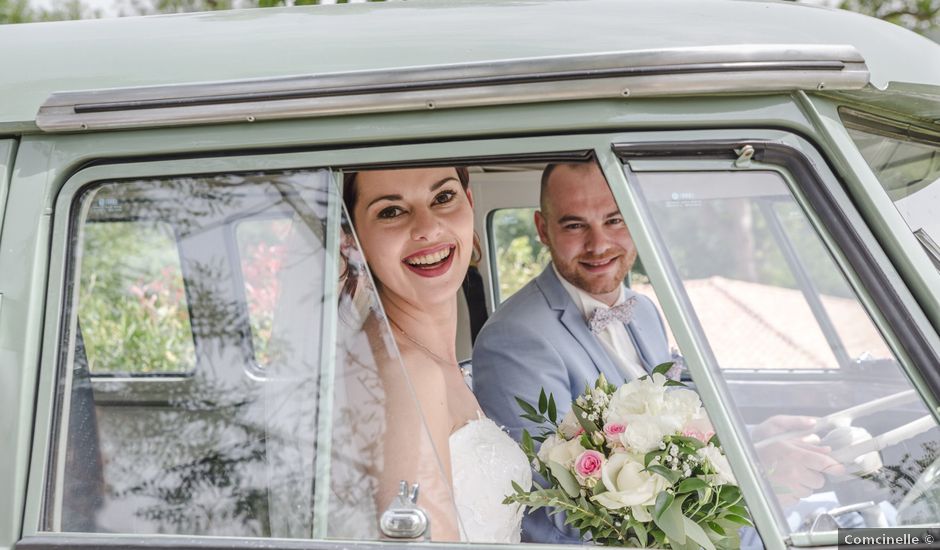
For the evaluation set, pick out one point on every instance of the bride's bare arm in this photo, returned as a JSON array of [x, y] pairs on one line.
[[413, 453]]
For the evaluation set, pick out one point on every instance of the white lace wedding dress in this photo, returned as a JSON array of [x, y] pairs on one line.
[[485, 461]]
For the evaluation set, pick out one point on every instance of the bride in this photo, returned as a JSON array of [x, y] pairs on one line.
[[415, 227]]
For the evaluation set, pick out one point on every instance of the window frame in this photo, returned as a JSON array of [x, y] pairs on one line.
[[554, 147], [830, 212]]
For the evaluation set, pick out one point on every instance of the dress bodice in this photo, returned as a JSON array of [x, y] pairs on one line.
[[484, 463]]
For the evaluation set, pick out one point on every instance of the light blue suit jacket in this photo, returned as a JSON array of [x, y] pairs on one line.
[[539, 339]]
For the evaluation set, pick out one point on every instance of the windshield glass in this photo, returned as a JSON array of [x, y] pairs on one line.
[[792, 341], [906, 161]]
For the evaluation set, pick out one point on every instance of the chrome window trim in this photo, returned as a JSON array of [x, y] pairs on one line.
[[743, 68]]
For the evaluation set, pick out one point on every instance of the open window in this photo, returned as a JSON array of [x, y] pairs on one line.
[[224, 366]]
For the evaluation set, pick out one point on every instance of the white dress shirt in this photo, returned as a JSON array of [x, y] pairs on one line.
[[615, 339]]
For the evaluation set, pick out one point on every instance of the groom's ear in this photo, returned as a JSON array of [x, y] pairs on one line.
[[541, 225]]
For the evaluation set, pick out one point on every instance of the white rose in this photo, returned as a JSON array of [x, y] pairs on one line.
[[569, 426], [637, 397], [719, 463], [644, 433], [684, 403], [550, 442], [565, 453], [627, 484]]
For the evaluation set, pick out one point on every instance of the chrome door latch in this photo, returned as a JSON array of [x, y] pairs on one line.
[[404, 519]]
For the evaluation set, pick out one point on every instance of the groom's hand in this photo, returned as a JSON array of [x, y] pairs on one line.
[[792, 456]]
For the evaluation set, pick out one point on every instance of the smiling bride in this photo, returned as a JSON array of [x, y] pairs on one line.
[[415, 227]]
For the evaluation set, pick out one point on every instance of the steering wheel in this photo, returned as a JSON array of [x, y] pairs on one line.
[[851, 444], [844, 418]]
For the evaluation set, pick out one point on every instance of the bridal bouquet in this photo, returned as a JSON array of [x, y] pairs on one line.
[[637, 465]]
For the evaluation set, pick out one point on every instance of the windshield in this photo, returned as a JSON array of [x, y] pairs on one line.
[[906, 160], [790, 338]]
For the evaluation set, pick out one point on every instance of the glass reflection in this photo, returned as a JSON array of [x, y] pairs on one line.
[[792, 339], [266, 416]]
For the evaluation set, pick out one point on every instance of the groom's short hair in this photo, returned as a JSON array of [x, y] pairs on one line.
[[547, 174]]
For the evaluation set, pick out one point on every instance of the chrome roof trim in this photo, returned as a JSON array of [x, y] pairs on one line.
[[645, 73]]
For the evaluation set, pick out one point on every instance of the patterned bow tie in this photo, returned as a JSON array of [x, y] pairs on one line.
[[605, 316]]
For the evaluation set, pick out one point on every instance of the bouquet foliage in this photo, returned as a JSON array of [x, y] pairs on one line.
[[637, 465]]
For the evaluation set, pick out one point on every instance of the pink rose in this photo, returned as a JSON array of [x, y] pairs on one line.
[[697, 434], [612, 429], [588, 464]]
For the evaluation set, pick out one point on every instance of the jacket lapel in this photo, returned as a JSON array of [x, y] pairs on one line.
[[571, 317]]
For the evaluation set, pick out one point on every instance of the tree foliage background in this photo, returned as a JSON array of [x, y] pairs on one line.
[[922, 16]]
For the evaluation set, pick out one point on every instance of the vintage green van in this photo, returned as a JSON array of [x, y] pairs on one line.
[[179, 364]]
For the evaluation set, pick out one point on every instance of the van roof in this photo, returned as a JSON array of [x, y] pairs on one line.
[[43, 58]]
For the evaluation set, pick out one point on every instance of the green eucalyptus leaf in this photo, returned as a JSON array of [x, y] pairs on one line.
[[565, 479], [696, 533], [543, 402], [663, 501], [649, 457], [552, 410], [668, 517], [640, 531], [528, 446]]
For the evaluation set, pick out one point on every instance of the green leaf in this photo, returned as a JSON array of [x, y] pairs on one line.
[[736, 519], [537, 418], [696, 533], [730, 495], [688, 441], [599, 488], [529, 409], [528, 446], [565, 479], [691, 484], [738, 510], [667, 515], [674, 384], [649, 457], [517, 488], [640, 531], [662, 368], [552, 410], [670, 475], [714, 526], [663, 501], [543, 402], [588, 426]]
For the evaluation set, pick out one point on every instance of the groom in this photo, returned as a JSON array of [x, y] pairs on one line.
[[573, 322], [577, 320]]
